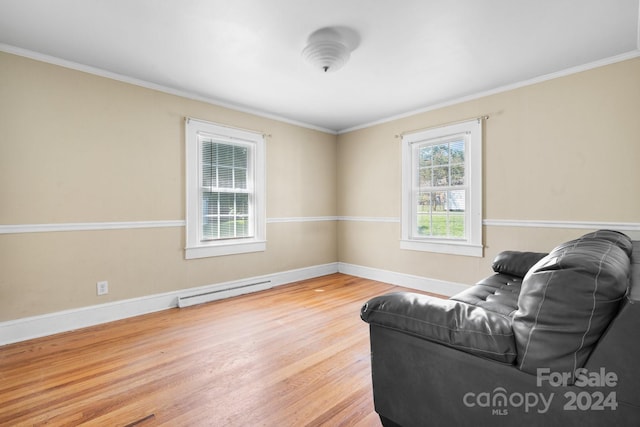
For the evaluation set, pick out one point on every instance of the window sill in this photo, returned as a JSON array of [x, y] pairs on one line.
[[443, 247], [221, 249]]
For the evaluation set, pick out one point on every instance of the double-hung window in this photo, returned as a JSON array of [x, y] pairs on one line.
[[225, 190], [442, 189]]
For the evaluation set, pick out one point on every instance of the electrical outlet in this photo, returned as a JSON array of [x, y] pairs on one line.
[[102, 287]]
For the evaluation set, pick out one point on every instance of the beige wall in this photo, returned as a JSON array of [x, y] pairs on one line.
[[563, 150], [79, 148]]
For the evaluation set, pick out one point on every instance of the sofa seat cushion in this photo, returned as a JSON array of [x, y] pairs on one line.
[[498, 293], [568, 299], [453, 323]]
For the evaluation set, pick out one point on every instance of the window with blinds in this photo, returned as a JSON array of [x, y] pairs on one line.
[[225, 190]]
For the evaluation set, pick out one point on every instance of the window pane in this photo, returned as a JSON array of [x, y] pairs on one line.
[[210, 203], [441, 154], [457, 151], [424, 202], [208, 152], [242, 204], [227, 203], [439, 224], [457, 200], [227, 228], [425, 156], [457, 208], [240, 178], [224, 165], [208, 176], [439, 200], [424, 177], [456, 225], [242, 227], [457, 175], [208, 155], [210, 228], [232, 227], [225, 154], [440, 176], [225, 215], [225, 177], [424, 225], [210, 215], [240, 156], [441, 214]]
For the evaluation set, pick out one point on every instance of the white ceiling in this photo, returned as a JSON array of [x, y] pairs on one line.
[[413, 54]]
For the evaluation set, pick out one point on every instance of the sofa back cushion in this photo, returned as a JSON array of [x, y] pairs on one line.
[[515, 263], [568, 299]]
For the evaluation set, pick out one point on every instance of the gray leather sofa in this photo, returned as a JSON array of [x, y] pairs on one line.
[[548, 340]]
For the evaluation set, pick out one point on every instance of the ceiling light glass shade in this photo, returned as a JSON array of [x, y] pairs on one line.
[[328, 49], [326, 55]]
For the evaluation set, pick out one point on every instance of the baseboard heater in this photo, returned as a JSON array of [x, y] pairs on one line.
[[223, 292]]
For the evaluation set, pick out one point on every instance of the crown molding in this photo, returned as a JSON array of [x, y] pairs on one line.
[[154, 86], [546, 77], [219, 103]]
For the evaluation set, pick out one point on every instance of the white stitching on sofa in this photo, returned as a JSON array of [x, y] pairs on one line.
[[593, 309], [535, 323]]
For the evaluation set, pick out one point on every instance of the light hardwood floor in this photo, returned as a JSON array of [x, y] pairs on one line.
[[294, 355]]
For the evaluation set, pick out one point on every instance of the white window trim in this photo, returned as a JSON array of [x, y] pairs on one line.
[[195, 248], [472, 245]]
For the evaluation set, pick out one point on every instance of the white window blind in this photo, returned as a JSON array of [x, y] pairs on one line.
[[226, 195]]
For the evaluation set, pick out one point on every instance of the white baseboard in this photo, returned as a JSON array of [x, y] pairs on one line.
[[13, 331], [401, 279]]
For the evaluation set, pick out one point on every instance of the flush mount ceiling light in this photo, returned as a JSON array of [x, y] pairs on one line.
[[329, 48]]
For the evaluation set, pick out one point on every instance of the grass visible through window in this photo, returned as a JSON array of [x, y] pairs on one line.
[[442, 224]]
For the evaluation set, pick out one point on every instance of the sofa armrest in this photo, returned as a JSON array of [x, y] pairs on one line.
[[452, 323]]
